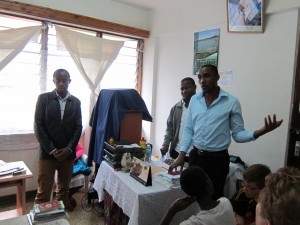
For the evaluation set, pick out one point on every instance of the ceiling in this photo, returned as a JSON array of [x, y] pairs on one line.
[[146, 4]]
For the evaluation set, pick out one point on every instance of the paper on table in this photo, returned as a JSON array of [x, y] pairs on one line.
[[7, 168], [169, 176], [155, 170]]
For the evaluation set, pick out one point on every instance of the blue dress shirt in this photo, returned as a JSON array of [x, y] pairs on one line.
[[210, 128]]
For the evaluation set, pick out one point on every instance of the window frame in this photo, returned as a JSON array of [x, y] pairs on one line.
[[70, 19], [41, 14], [58, 17]]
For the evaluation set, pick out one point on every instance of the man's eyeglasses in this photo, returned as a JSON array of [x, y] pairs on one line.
[[250, 187]]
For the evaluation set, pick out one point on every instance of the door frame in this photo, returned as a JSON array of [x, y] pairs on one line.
[[294, 125]]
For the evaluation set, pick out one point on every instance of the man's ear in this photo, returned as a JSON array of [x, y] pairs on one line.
[[70, 80]]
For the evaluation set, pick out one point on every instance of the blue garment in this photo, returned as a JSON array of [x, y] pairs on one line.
[[80, 167], [211, 128], [107, 115]]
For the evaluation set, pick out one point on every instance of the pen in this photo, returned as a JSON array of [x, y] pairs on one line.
[[22, 171]]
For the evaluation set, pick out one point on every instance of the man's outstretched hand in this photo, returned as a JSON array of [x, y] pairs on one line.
[[269, 126]]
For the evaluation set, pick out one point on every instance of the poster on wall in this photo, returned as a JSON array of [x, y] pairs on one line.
[[226, 78], [206, 48], [245, 16]]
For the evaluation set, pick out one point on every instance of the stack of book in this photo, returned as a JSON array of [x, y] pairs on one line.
[[171, 180], [47, 211]]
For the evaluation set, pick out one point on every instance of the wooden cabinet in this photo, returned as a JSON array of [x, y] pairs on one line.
[[131, 127]]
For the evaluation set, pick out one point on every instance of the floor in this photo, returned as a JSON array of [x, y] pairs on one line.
[[85, 213]]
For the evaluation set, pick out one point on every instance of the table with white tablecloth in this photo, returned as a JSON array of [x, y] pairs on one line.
[[143, 205]]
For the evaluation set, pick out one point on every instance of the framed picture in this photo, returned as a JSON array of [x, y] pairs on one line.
[[245, 16], [206, 48], [141, 171]]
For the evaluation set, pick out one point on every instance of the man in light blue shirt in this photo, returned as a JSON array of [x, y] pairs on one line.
[[212, 118]]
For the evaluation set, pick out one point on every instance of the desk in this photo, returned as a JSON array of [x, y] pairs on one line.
[[19, 181], [143, 205]]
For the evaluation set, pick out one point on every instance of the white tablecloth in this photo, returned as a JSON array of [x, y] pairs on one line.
[[143, 205]]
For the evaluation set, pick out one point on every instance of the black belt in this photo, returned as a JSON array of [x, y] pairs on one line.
[[205, 153]]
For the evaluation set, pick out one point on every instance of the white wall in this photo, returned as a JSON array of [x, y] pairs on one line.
[[101, 9], [263, 66]]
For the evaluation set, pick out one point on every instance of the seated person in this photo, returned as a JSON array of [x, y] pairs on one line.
[[198, 186], [244, 200], [279, 200]]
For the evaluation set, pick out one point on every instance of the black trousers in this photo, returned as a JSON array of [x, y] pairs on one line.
[[215, 165]]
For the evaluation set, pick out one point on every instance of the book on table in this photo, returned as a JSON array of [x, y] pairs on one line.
[[59, 221], [47, 211], [46, 219], [168, 179], [51, 206]]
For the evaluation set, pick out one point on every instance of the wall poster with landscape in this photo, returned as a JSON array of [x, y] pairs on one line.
[[206, 48]]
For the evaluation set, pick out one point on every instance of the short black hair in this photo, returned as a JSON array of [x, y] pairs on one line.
[[60, 71], [189, 79], [213, 68], [195, 182]]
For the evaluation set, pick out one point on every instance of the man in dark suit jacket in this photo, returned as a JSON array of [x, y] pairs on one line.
[[57, 126]]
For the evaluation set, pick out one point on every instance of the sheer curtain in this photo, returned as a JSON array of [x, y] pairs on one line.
[[92, 55], [13, 41]]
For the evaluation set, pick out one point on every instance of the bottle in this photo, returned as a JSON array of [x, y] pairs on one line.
[[143, 143], [148, 153]]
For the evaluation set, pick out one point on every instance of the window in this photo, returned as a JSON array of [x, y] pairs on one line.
[[30, 73], [122, 73]]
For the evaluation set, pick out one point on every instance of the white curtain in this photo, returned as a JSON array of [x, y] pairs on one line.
[[13, 41], [92, 55]]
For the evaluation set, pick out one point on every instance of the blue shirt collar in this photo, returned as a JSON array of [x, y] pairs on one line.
[[221, 94]]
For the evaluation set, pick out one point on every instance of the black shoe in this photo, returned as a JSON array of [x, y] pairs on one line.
[[69, 207], [72, 201]]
